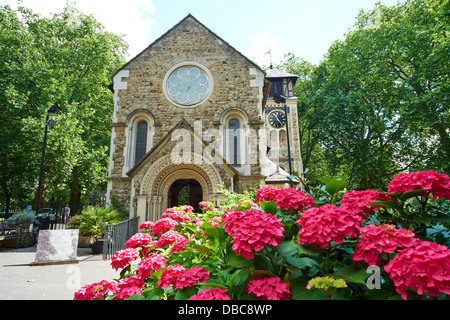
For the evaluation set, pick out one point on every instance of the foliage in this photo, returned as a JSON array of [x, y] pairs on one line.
[[74, 222], [377, 104], [318, 249], [119, 207], [92, 220], [21, 220], [66, 59]]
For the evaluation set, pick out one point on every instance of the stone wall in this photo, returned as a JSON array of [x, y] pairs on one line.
[[238, 83]]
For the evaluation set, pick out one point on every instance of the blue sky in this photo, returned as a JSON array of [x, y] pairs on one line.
[[306, 28]]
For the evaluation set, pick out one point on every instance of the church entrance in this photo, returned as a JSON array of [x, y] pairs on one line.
[[185, 192]]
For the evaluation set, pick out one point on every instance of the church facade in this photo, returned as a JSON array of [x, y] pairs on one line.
[[192, 115]]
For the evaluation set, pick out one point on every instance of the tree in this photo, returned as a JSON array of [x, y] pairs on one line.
[[66, 59], [378, 102]]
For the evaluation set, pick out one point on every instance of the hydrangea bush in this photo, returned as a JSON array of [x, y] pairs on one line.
[[281, 244]]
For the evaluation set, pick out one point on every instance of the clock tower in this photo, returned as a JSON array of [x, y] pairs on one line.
[[281, 123]]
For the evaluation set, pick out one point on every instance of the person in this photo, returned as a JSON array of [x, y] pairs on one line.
[[66, 213]]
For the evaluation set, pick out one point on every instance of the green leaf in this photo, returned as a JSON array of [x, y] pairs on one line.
[[269, 206], [301, 263], [299, 291], [224, 276], [239, 281], [351, 273], [407, 195], [155, 294], [262, 262], [334, 185], [184, 293], [290, 229], [292, 247], [136, 297], [216, 234], [237, 261], [240, 277], [388, 204], [202, 249]]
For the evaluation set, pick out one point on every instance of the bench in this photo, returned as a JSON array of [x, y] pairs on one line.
[[9, 234]]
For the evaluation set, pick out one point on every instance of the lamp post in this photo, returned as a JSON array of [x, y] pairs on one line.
[[53, 109], [278, 98]]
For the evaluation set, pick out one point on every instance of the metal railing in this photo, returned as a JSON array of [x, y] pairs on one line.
[[116, 235]]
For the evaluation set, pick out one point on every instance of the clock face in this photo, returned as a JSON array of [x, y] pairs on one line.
[[277, 119], [188, 86]]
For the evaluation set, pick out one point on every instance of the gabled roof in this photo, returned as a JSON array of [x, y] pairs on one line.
[[189, 16]]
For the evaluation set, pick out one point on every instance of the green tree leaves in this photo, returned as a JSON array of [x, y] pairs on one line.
[[66, 59], [378, 102]]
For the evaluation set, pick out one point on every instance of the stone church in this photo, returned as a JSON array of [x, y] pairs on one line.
[[192, 115]]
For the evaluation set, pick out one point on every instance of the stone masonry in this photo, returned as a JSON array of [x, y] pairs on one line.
[[237, 92]]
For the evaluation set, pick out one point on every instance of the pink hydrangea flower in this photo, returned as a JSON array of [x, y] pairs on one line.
[[374, 240], [268, 288], [172, 237], [128, 287], [190, 276], [179, 277], [293, 199], [438, 184], [176, 215], [215, 221], [170, 275], [424, 268], [211, 294], [151, 264], [163, 225], [251, 230], [97, 290], [357, 201], [139, 240], [146, 225], [267, 193], [123, 258], [204, 205], [327, 223]]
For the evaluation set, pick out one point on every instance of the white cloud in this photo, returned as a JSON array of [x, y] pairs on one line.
[[262, 43], [131, 18]]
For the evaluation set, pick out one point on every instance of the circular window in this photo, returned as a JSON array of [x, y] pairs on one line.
[[188, 85]]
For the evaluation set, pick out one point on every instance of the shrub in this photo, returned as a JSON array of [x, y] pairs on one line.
[[314, 245], [21, 220], [92, 220]]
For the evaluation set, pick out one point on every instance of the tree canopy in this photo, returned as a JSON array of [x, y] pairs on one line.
[[66, 59], [378, 103]]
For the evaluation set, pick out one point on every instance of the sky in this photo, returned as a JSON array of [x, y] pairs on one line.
[[306, 28]]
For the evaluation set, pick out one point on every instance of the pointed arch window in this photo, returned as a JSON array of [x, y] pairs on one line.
[[234, 142]]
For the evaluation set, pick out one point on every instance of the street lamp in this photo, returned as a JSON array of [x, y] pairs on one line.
[[53, 109], [278, 98]]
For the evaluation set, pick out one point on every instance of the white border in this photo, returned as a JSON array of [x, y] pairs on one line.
[[187, 64]]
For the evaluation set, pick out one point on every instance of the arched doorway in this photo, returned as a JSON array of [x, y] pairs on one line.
[[185, 192]]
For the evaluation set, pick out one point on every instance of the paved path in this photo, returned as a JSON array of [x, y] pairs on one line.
[[20, 281]]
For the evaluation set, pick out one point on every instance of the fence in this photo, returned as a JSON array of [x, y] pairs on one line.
[[116, 235]]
